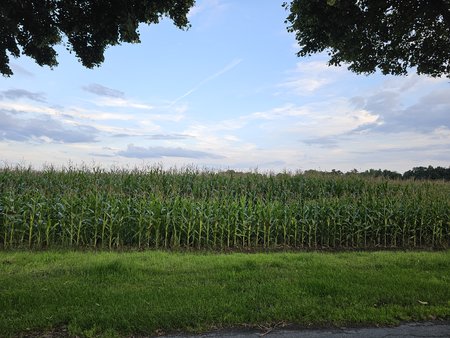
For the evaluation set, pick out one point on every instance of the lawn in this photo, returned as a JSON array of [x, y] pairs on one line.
[[152, 292]]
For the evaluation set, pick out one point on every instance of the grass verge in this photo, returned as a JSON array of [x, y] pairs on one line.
[[95, 293]]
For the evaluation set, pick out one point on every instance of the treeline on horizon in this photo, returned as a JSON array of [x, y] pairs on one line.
[[416, 173]]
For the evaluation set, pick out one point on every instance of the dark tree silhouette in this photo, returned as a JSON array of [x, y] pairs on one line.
[[34, 27], [389, 35], [428, 173]]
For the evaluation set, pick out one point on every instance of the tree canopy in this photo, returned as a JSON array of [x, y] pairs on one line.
[[388, 35], [87, 27]]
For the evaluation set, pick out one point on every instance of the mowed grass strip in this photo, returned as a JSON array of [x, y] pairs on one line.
[[151, 292]]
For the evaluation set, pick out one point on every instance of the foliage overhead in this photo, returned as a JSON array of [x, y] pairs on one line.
[[86, 27], [389, 35]]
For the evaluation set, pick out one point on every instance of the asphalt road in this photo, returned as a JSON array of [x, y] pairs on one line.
[[415, 330]]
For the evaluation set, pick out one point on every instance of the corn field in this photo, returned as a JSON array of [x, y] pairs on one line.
[[156, 208]]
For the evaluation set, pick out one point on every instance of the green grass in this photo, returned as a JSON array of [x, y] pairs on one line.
[[93, 293]]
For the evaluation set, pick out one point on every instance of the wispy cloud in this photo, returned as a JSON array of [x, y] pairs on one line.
[[310, 76], [44, 129], [28, 108], [204, 5], [287, 110], [168, 137], [156, 137], [207, 12], [97, 89], [96, 115], [165, 117], [17, 94], [133, 151], [222, 71], [121, 103], [19, 70]]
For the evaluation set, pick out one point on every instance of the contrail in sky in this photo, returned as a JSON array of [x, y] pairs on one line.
[[227, 68]]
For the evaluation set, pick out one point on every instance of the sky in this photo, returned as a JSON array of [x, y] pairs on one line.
[[229, 93]]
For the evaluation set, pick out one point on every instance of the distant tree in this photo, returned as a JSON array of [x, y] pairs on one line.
[[34, 27], [393, 175], [389, 35], [336, 172], [430, 173]]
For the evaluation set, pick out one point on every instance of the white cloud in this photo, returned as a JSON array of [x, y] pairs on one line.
[[133, 151], [28, 108], [287, 110], [181, 109], [340, 120], [305, 86], [145, 128], [43, 128], [164, 117], [121, 103], [412, 82], [97, 89], [317, 119], [207, 8], [97, 115], [17, 94], [442, 133], [310, 76]]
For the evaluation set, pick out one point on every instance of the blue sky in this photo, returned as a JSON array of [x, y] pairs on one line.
[[228, 93]]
